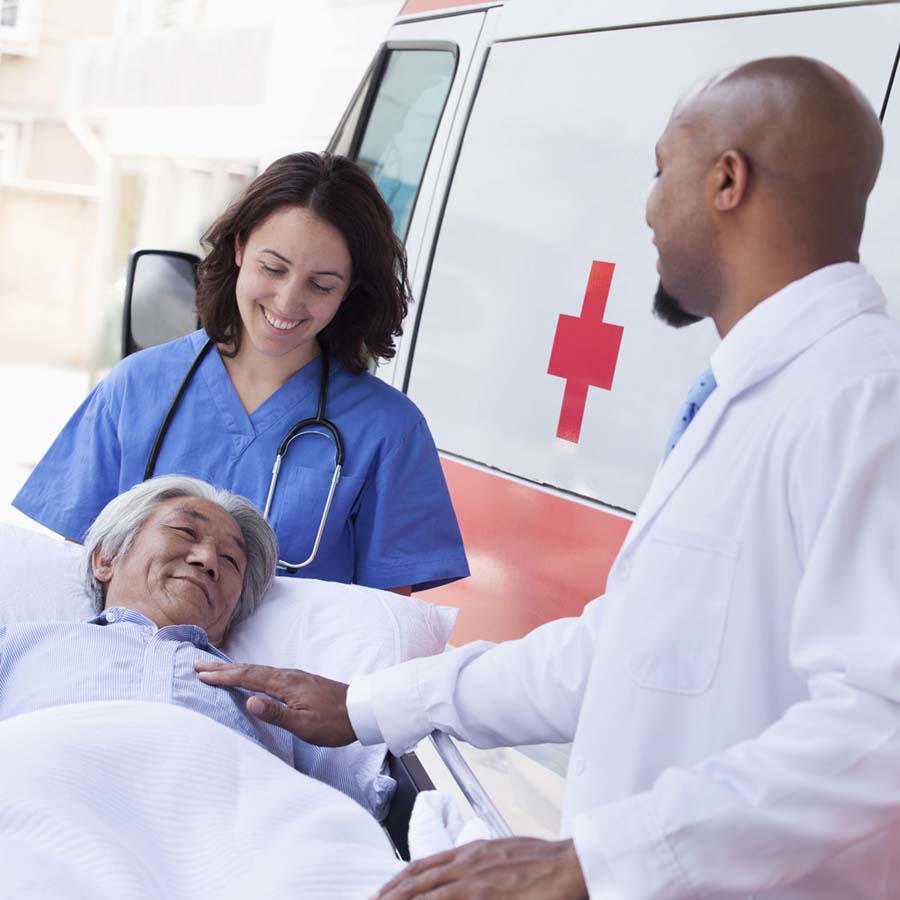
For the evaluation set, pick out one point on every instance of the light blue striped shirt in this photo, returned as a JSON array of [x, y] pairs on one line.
[[122, 655]]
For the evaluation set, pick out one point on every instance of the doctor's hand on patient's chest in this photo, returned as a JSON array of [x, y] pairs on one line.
[[311, 707]]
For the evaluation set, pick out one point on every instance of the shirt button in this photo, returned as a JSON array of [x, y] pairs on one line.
[[576, 766], [625, 569], [147, 629], [111, 617]]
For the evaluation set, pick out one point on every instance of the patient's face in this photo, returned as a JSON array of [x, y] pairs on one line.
[[185, 567]]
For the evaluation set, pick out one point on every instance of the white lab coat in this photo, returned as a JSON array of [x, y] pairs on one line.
[[734, 697]]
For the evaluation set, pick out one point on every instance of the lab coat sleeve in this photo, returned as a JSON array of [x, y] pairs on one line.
[[825, 775], [520, 692], [79, 474], [405, 528]]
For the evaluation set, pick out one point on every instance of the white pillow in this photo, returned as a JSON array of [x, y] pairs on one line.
[[39, 579], [336, 630]]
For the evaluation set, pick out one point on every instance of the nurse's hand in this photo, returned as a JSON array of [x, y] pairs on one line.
[[513, 867], [313, 708]]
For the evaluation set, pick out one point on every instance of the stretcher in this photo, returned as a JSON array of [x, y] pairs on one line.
[[412, 778]]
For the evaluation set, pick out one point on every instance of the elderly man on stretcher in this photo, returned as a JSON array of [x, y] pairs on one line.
[[170, 565], [100, 794]]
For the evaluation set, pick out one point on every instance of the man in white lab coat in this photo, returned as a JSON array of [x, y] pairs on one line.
[[734, 697]]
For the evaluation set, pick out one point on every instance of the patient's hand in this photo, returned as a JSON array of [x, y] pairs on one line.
[[513, 867], [314, 708]]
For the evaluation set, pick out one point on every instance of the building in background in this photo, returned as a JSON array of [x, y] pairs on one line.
[[130, 123], [48, 186]]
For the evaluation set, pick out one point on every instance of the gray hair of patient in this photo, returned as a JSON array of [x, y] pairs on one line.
[[114, 530]]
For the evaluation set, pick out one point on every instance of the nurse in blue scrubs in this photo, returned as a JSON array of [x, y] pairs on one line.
[[305, 262]]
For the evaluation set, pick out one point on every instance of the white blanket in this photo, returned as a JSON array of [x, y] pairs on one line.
[[143, 800]]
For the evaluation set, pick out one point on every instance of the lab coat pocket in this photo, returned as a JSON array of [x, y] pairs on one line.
[[678, 599]]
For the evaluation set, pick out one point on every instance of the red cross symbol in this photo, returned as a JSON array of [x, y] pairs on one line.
[[585, 351]]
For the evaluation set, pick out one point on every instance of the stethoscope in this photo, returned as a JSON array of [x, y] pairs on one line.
[[318, 420]]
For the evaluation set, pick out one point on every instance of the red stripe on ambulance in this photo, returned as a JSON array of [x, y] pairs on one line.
[[513, 534], [417, 6]]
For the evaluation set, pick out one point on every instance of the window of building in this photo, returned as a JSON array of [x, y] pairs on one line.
[[19, 27], [9, 13]]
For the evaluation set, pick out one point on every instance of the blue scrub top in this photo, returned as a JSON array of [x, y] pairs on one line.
[[391, 521]]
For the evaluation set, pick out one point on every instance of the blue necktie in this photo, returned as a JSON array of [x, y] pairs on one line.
[[696, 397]]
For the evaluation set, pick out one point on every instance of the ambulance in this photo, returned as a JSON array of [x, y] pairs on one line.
[[515, 143]]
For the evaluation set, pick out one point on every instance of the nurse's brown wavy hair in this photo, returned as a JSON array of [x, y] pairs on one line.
[[340, 192]]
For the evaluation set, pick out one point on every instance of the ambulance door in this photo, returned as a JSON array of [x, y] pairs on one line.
[[398, 124], [547, 382]]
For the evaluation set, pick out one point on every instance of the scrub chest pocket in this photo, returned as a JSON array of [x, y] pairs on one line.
[[299, 503], [678, 599]]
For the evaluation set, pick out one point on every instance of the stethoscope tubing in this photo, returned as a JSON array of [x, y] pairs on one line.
[[173, 407], [298, 430]]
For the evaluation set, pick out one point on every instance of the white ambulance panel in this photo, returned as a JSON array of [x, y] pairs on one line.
[[553, 173]]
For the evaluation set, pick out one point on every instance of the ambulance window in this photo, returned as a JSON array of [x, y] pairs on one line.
[[400, 130], [342, 141]]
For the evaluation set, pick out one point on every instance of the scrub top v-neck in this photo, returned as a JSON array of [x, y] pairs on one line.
[[300, 390], [391, 522]]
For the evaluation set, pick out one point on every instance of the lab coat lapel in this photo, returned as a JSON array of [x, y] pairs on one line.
[[670, 473], [816, 310]]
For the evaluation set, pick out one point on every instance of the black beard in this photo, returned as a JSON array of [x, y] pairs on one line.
[[667, 308]]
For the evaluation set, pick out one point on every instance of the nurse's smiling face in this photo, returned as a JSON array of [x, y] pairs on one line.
[[295, 270]]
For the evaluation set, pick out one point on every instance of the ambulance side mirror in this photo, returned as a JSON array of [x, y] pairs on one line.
[[160, 291]]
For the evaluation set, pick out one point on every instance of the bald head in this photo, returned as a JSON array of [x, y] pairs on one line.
[[785, 154], [808, 135]]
